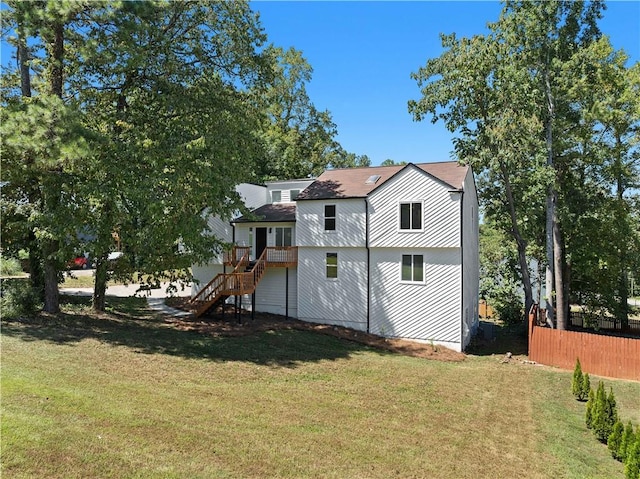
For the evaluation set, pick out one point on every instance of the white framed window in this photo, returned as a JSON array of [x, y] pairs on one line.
[[329, 217], [294, 194], [411, 216], [412, 268], [283, 236], [276, 196], [332, 265]]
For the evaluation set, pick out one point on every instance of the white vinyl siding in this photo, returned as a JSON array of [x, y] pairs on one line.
[[427, 312], [270, 293], [350, 223], [341, 301], [440, 212], [470, 273]]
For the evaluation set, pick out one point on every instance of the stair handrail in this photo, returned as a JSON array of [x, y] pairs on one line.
[[205, 293]]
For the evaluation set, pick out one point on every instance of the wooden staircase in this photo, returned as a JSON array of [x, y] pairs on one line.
[[244, 278]]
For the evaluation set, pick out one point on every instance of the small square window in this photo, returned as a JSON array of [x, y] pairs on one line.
[[329, 217], [276, 196], [294, 194], [332, 265]]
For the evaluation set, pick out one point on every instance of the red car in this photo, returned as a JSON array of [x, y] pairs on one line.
[[80, 262]]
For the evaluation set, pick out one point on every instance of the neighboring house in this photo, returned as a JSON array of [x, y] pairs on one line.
[[390, 250]]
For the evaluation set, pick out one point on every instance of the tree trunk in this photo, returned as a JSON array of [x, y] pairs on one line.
[[520, 242], [100, 287], [551, 212], [558, 253], [56, 50], [51, 293]]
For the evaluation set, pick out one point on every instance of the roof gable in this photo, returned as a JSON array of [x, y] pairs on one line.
[[352, 182]]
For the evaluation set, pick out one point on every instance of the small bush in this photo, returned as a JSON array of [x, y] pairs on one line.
[[590, 406], [604, 414], [576, 384], [626, 441], [615, 439], [632, 464], [18, 299], [9, 266], [586, 387]]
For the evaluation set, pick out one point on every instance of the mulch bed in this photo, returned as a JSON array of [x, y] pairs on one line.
[[215, 324]]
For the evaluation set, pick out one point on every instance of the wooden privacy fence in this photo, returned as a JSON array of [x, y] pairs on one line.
[[602, 355]]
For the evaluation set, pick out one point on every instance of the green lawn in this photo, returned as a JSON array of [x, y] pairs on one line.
[[126, 395]]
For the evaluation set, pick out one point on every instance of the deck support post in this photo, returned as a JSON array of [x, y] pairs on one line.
[[286, 293], [253, 305]]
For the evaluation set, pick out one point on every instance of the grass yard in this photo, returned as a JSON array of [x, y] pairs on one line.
[[125, 394]]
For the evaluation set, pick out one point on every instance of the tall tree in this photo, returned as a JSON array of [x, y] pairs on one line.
[[508, 95], [299, 139]]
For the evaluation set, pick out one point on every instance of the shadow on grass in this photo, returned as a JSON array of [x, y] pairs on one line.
[[504, 338], [129, 323]]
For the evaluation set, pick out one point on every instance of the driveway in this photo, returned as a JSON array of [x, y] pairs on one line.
[[155, 297]]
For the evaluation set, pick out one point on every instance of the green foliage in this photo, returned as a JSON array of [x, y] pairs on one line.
[[626, 441], [586, 387], [589, 413], [604, 413], [632, 462], [578, 379], [9, 266], [614, 440], [18, 299]]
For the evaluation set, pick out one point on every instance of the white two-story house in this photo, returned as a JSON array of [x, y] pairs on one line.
[[389, 250]]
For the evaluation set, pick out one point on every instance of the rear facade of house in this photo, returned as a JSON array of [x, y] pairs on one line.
[[388, 250]]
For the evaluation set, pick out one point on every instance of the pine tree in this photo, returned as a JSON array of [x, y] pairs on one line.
[[615, 440], [586, 387], [626, 442], [576, 384], [590, 407]]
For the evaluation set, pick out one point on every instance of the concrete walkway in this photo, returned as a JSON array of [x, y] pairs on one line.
[[155, 297]]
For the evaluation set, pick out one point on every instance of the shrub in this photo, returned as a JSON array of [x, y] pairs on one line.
[[604, 414], [576, 384], [586, 387], [615, 439], [590, 407], [626, 441], [9, 266], [632, 464], [18, 299]]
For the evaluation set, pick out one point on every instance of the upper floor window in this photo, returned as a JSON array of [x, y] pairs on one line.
[[332, 265], [329, 217], [294, 194], [411, 216], [283, 236], [412, 269], [276, 196]]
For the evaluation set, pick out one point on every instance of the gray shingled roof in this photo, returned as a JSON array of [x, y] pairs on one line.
[[351, 182], [272, 213]]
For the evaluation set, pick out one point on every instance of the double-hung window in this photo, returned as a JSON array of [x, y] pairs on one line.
[[332, 265], [329, 217], [283, 236], [412, 269], [294, 194], [276, 196], [411, 216]]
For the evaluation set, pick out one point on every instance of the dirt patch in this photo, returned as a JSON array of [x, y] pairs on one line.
[[217, 324]]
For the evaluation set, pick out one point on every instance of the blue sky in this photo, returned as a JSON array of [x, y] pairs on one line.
[[363, 53]]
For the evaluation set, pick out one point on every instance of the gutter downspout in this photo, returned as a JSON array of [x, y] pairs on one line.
[[462, 289], [366, 210]]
